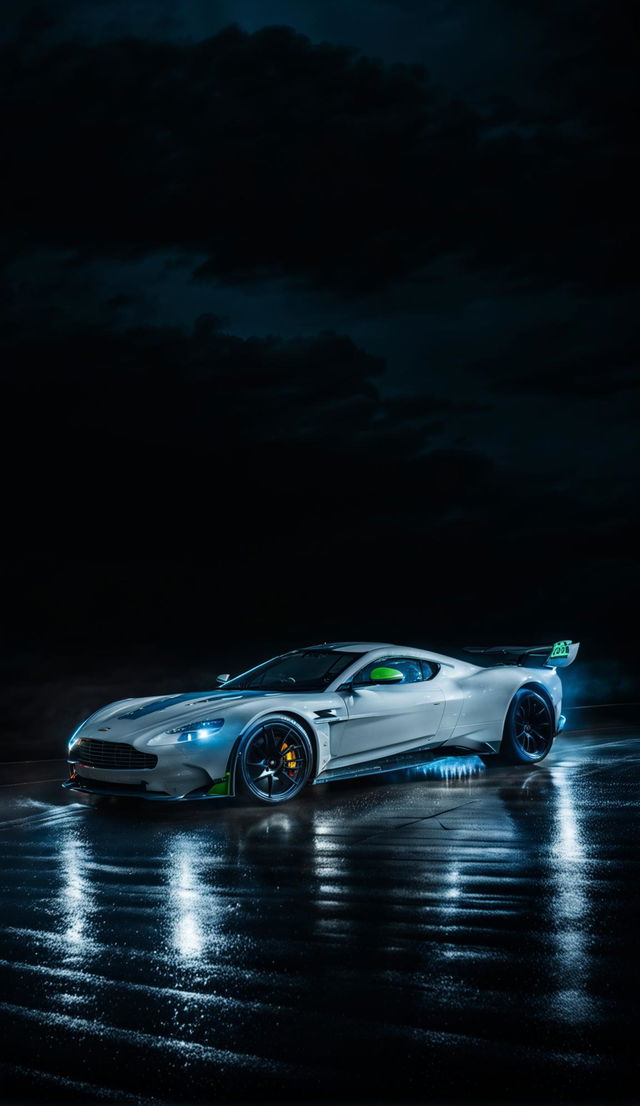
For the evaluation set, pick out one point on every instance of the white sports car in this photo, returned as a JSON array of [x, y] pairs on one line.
[[323, 713]]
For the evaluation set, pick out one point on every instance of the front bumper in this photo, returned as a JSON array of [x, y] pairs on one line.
[[178, 772]]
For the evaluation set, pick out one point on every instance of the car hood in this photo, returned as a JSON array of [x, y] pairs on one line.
[[130, 718]]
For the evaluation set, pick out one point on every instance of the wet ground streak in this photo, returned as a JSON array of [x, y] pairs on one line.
[[462, 932]]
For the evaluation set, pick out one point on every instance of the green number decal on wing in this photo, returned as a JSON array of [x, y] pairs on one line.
[[560, 649]]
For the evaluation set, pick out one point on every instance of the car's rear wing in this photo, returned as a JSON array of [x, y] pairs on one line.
[[558, 655]]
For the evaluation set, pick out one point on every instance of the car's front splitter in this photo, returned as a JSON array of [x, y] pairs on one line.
[[219, 789]]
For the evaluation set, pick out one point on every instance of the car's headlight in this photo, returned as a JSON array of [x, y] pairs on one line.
[[193, 731]]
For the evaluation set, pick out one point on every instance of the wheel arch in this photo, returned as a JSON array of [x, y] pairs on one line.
[[530, 685], [534, 685], [311, 734], [295, 717]]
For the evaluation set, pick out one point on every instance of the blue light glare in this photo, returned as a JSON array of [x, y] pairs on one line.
[[75, 733], [453, 767], [200, 732]]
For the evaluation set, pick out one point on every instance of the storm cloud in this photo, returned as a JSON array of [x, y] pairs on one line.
[[272, 155], [296, 336]]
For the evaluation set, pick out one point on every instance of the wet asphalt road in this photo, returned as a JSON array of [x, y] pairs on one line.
[[466, 933]]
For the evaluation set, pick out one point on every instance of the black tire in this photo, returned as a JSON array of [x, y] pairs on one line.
[[274, 760], [528, 728]]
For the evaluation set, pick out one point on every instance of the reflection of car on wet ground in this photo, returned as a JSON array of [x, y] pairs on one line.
[[323, 713]]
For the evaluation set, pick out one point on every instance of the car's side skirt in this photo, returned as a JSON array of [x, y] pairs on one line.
[[392, 763]]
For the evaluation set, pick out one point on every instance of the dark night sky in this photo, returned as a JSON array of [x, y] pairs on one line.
[[318, 322]]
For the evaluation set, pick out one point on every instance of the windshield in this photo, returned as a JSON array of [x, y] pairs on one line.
[[306, 670]]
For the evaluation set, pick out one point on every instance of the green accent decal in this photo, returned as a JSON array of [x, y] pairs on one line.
[[386, 675], [560, 649], [221, 787]]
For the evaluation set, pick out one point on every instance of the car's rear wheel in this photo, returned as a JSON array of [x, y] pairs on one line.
[[528, 729], [274, 760]]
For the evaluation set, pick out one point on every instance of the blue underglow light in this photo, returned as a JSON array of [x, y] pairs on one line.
[[456, 767]]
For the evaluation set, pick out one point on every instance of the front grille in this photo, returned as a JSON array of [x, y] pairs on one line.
[[110, 754]]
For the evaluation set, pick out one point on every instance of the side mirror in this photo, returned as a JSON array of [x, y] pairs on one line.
[[223, 678], [386, 676]]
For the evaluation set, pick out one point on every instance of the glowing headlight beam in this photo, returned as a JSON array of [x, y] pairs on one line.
[[198, 731]]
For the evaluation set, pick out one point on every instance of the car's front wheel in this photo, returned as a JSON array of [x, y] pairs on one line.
[[528, 729], [274, 760]]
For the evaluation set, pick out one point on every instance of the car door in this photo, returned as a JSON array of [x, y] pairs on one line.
[[392, 717]]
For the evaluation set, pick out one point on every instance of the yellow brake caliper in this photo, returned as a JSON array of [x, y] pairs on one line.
[[290, 758]]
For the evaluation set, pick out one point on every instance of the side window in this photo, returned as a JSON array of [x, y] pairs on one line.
[[429, 669], [409, 666]]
